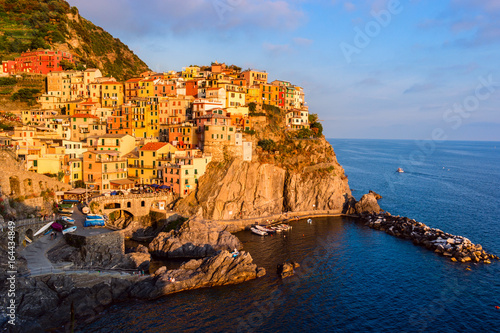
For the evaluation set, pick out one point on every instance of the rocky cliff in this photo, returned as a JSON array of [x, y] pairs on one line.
[[304, 179]]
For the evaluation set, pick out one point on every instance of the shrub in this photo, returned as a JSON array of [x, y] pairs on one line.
[[267, 144]]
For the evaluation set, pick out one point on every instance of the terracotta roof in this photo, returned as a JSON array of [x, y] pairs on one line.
[[83, 115], [153, 145]]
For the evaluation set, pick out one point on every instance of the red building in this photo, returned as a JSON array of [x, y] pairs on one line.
[[38, 62]]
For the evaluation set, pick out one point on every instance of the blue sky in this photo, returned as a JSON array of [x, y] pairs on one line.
[[409, 69]]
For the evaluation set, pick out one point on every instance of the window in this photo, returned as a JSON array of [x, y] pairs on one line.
[[195, 171], [90, 165], [186, 182], [35, 163], [143, 203], [187, 172]]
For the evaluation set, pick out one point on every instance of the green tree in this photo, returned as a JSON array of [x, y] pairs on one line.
[[252, 107], [267, 144]]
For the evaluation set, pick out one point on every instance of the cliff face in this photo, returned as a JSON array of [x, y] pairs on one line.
[[239, 189]]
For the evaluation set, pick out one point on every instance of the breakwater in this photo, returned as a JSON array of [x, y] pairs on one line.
[[457, 248]]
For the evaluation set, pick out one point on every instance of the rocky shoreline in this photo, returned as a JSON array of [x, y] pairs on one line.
[[457, 248], [84, 296]]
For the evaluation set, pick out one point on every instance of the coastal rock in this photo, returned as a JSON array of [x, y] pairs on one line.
[[367, 205], [196, 238], [136, 260], [218, 270], [285, 269], [241, 189]]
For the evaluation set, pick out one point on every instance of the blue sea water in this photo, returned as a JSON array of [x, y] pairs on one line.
[[352, 278]]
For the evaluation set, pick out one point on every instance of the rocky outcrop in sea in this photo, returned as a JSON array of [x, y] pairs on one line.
[[457, 248], [196, 238]]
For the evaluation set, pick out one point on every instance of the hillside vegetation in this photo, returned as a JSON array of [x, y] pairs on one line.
[[32, 24]]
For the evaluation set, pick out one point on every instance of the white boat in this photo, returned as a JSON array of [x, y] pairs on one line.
[[309, 221], [68, 219], [265, 229], [400, 170], [70, 229], [258, 232], [42, 229], [85, 210]]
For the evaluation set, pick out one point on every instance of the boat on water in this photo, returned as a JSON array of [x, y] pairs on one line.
[[70, 229], [42, 229], [258, 231], [400, 170], [68, 219], [309, 221], [265, 229]]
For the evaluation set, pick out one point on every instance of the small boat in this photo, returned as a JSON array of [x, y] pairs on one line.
[[94, 220], [309, 221], [85, 210], [70, 229], [265, 229], [27, 239], [68, 219], [258, 232], [400, 170], [42, 229]]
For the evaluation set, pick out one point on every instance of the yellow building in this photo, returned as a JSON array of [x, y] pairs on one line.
[[253, 95], [122, 143], [190, 73], [113, 94], [143, 167]]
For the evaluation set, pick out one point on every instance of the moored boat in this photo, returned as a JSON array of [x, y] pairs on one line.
[[258, 232], [400, 170], [265, 229]]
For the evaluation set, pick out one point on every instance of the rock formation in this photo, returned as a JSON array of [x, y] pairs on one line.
[[368, 204], [240, 189], [196, 238], [45, 303], [285, 269]]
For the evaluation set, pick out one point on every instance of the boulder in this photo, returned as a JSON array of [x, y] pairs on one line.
[[196, 238], [367, 205], [285, 270]]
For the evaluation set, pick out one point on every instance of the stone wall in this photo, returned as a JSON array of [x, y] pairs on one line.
[[221, 151], [15, 181], [98, 251]]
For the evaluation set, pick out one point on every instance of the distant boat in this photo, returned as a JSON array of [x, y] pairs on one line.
[[86, 210], [400, 170], [309, 221], [70, 229], [258, 232]]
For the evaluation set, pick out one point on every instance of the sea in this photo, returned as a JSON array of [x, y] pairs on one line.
[[352, 278]]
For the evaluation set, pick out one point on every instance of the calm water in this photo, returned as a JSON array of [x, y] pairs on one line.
[[354, 279]]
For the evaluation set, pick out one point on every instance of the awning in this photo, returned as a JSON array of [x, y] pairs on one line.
[[121, 182], [76, 191]]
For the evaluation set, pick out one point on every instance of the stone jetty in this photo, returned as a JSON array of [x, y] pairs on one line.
[[457, 248]]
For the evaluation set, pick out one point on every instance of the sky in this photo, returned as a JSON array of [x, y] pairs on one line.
[[381, 69]]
